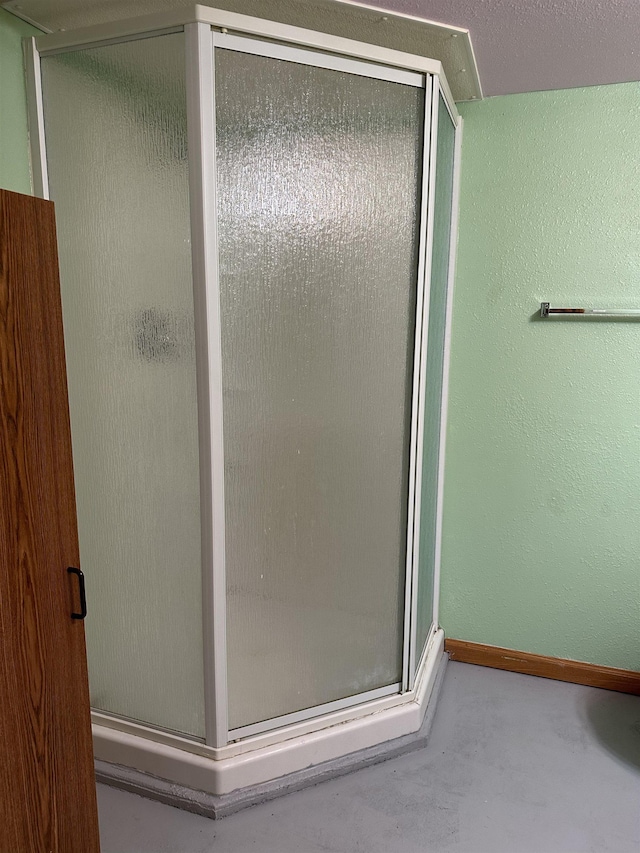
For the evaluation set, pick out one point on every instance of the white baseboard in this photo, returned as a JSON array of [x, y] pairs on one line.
[[208, 771]]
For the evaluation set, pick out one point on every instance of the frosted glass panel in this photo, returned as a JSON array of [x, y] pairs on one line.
[[435, 359], [317, 176], [116, 142]]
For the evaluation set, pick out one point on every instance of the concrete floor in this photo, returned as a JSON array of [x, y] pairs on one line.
[[515, 764]]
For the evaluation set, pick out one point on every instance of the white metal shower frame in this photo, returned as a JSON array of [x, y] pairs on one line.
[[205, 29]]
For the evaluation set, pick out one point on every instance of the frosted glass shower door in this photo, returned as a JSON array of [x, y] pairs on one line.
[[115, 122], [318, 173], [434, 375]]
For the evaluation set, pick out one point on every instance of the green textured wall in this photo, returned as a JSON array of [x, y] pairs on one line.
[[541, 544], [14, 150]]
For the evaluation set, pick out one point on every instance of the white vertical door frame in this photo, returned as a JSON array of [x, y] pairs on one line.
[[201, 132], [413, 514], [35, 112], [453, 247], [430, 169]]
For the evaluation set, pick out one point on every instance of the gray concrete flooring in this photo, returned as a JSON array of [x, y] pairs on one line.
[[515, 764]]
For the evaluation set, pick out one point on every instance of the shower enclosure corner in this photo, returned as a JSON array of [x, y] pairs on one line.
[[255, 242]]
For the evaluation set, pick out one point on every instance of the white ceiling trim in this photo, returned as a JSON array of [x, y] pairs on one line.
[[450, 45]]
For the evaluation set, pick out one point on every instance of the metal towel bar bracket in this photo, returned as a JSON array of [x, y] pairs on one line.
[[617, 313]]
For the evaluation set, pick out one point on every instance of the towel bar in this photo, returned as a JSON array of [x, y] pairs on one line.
[[618, 313]]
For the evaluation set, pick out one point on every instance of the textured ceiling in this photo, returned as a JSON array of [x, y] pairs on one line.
[[520, 45], [530, 45]]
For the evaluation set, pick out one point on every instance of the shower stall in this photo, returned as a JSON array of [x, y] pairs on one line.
[[256, 234]]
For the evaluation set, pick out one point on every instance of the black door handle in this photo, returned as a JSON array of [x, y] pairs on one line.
[[83, 597]]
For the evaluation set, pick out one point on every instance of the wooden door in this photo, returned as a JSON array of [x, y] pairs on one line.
[[47, 784]]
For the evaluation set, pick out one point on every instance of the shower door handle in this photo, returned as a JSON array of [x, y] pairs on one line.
[[83, 598]]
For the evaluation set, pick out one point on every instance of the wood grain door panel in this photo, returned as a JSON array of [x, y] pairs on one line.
[[47, 784]]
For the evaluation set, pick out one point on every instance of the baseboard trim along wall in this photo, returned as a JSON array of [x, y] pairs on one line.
[[559, 669]]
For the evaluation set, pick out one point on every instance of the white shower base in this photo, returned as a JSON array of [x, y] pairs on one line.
[[269, 756]]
